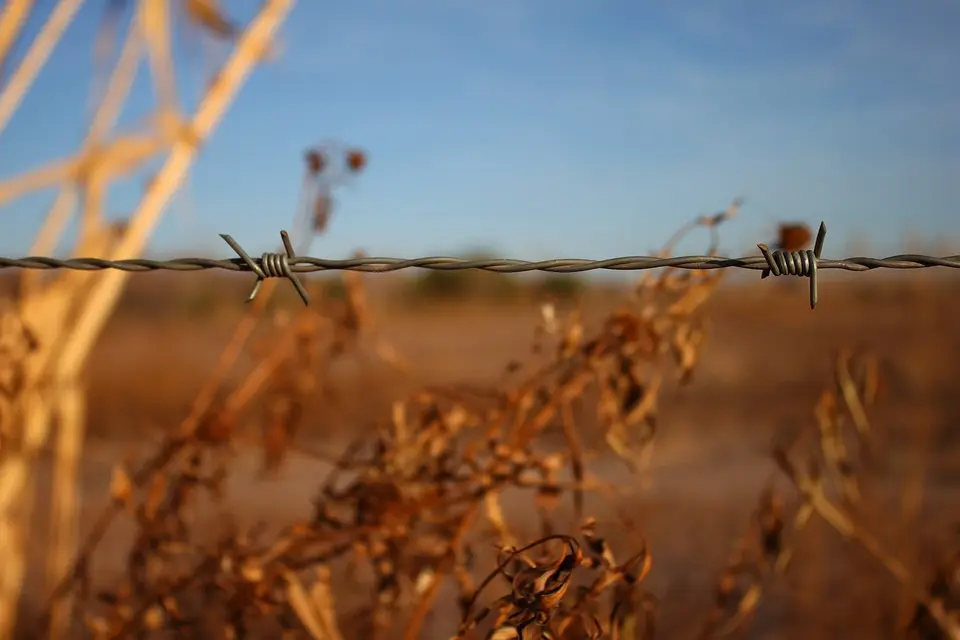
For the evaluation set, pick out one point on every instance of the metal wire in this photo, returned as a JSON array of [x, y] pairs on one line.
[[305, 264], [796, 263], [271, 265], [287, 265]]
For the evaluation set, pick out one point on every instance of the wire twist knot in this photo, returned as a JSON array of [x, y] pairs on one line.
[[796, 263], [270, 265]]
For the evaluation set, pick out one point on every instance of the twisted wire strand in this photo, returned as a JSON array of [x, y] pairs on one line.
[[288, 264], [796, 263], [304, 264]]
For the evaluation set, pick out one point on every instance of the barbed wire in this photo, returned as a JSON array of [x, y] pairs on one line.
[[287, 265]]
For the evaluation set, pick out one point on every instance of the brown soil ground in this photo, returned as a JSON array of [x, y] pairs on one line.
[[767, 359]]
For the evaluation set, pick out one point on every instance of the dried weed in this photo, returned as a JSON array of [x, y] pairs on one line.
[[404, 513], [403, 504]]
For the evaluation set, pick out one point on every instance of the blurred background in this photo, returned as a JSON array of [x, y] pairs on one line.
[[522, 129]]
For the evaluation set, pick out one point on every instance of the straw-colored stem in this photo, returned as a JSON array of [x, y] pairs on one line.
[[70, 413], [43, 45], [64, 349], [118, 88], [91, 215], [119, 157], [46, 240], [154, 20], [16, 502], [105, 291], [12, 19], [36, 179], [62, 299]]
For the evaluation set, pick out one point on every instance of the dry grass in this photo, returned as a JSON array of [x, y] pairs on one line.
[[400, 530], [414, 486]]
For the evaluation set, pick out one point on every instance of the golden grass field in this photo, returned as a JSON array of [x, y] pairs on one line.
[[765, 361]]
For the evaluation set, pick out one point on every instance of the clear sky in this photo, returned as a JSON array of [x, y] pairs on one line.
[[581, 128]]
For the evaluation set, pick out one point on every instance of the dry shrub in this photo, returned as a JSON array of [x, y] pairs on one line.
[[827, 478], [535, 605], [403, 504], [406, 511]]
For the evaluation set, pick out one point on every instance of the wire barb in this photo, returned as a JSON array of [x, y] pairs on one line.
[[271, 265], [796, 263]]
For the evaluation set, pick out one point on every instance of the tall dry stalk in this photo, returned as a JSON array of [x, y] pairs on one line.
[[12, 19], [43, 45], [67, 314]]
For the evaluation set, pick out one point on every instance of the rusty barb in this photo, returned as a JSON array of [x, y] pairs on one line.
[[287, 264]]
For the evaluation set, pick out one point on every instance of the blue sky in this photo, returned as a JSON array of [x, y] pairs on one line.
[[558, 127]]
